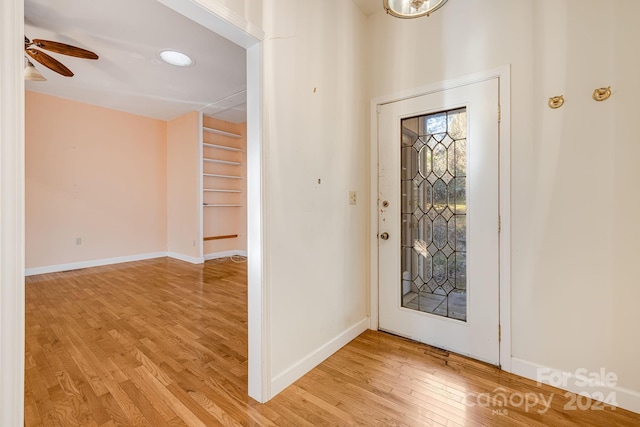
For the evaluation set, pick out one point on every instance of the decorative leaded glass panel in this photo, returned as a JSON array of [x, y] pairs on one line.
[[434, 210]]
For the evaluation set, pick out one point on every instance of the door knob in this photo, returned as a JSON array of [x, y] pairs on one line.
[[384, 236]]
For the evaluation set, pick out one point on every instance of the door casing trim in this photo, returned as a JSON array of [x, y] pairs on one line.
[[503, 74]]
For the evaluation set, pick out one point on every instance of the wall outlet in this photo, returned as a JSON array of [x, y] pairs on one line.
[[78, 240], [353, 197]]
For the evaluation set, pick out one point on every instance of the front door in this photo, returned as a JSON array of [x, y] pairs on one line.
[[438, 219]]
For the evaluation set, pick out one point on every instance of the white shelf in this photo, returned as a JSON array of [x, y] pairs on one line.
[[221, 132], [221, 190], [215, 175], [224, 162], [221, 147], [218, 205]]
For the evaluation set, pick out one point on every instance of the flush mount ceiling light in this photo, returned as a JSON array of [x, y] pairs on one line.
[[412, 8], [176, 58]]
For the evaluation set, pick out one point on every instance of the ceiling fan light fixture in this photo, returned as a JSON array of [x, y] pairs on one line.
[[32, 74], [176, 58], [412, 8]]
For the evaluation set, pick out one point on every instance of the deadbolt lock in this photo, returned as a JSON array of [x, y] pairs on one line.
[[384, 236]]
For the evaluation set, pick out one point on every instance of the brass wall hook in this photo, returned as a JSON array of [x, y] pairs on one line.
[[556, 101], [602, 93]]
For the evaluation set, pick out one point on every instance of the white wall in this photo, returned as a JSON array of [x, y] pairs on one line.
[[622, 276], [573, 178], [250, 10], [315, 122]]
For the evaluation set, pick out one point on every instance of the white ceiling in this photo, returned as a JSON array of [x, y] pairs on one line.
[[129, 76]]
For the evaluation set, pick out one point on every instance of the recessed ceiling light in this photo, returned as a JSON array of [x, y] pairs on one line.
[[174, 57]]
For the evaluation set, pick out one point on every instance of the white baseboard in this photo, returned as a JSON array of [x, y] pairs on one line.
[[575, 382], [289, 376], [92, 263], [117, 260], [185, 258], [224, 254]]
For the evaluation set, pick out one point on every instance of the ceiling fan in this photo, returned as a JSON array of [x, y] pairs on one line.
[[32, 48]]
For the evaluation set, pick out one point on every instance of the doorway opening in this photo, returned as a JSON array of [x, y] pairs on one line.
[[251, 41]]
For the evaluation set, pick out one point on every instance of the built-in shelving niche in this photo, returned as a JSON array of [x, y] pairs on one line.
[[223, 186]]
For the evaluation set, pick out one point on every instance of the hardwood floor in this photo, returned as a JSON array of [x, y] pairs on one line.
[[164, 343]]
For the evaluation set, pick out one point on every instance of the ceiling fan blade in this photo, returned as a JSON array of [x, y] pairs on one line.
[[64, 49], [49, 62]]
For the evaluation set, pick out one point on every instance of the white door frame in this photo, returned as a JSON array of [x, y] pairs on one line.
[[217, 18], [504, 135], [211, 14], [12, 304]]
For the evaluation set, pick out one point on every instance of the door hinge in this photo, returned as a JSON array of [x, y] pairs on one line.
[[499, 333], [499, 113], [499, 224]]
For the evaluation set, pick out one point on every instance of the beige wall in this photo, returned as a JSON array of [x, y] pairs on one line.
[[183, 183], [95, 174], [315, 129], [621, 151], [573, 173]]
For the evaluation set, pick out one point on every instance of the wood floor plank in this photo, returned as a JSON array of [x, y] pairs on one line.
[[94, 404], [31, 411], [116, 413], [317, 412], [164, 343], [212, 408], [142, 403], [70, 411], [173, 402], [197, 410], [444, 402], [152, 395]]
